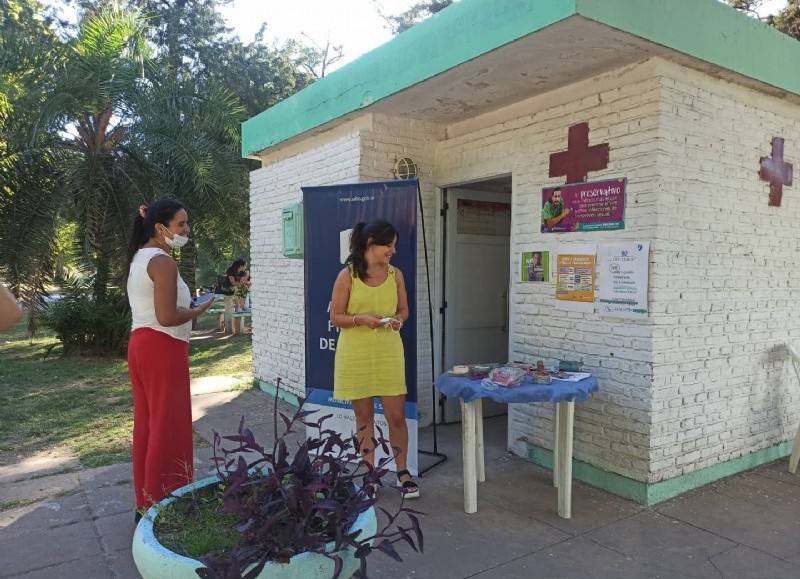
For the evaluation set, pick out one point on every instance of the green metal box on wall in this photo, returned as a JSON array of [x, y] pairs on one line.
[[293, 230]]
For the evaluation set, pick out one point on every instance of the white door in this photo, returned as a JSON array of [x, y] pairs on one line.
[[477, 276]]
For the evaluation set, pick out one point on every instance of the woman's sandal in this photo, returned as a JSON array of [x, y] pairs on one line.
[[409, 487]]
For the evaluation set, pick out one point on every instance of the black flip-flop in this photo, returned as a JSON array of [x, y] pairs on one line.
[[409, 487]]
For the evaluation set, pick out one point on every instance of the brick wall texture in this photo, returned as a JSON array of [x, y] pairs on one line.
[[706, 377]]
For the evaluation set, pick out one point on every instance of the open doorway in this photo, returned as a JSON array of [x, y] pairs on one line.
[[477, 242]]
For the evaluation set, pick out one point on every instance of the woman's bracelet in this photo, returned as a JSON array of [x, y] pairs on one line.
[[355, 323]]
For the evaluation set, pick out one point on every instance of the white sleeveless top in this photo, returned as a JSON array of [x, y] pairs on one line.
[[141, 296]]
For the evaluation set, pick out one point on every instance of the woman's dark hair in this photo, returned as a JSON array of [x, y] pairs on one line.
[[161, 211], [379, 231], [234, 269]]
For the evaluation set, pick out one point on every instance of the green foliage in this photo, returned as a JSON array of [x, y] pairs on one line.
[[87, 326], [787, 20], [29, 201], [415, 14], [143, 99]]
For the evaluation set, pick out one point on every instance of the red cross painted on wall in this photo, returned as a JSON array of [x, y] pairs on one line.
[[776, 172], [579, 158]]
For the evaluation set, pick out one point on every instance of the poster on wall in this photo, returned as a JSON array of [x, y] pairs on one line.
[[575, 273], [535, 266], [329, 215], [622, 275], [593, 206]]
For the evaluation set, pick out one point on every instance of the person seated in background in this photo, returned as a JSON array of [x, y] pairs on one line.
[[239, 279]]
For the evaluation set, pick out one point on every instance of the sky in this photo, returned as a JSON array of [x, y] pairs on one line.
[[355, 24], [772, 7]]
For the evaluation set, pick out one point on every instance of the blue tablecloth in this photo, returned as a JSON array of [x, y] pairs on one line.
[[557, 391]]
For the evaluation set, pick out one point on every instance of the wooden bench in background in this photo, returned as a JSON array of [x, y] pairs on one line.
[[227, 318], [237, 321]]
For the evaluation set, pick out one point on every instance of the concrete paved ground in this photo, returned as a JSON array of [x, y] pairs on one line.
[[77, 524]]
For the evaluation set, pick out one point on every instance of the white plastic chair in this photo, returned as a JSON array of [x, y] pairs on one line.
[[794, 351]]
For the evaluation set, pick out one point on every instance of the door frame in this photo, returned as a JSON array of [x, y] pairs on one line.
[[440, 285]]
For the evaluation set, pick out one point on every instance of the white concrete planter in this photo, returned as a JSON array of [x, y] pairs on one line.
[[154, 561]]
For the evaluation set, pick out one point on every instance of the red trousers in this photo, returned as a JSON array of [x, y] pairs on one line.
[[158, 365]]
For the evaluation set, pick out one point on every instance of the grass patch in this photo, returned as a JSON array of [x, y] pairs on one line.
[[85, 404], [193, 526]]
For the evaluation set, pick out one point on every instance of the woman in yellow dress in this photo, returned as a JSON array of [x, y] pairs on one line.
[[370, 304]]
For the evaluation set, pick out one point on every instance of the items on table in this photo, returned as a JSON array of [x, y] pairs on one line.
[[514, 373]]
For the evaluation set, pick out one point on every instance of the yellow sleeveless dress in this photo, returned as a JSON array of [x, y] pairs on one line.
[[370, 362]]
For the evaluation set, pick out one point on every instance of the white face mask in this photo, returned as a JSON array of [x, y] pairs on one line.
[[176, 241]]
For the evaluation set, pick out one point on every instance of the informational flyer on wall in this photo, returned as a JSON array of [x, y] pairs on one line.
[[593, 206], [535, 266], [622, 274], [575, 272]]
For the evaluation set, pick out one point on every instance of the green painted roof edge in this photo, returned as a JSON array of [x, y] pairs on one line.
[[424, 51], [708, 30], [705, 29]]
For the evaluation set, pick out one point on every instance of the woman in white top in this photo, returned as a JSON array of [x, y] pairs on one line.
[[158, 353]]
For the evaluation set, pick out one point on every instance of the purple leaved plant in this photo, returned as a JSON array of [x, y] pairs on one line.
[[287, 503]]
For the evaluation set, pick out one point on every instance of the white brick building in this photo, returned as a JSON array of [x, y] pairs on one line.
[[688, 106]]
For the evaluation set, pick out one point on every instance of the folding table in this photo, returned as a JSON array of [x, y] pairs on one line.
[[561, 393]]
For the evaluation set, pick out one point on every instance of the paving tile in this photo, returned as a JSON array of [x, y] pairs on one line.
[[522, 487], [116, 531], [657, 541], [116, 474], [46, 463], [212, 405], [111, 500], [460, 545], [744, 562], [779, 471], [92, 567], [750, 509], [121, 564], [30, 551], [744, 526], [48, 514], [579, 558], [39, 488]]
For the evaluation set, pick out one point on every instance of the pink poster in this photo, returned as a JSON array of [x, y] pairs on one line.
[[594, 206]]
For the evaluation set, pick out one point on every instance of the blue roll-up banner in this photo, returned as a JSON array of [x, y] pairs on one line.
[[330, 213]]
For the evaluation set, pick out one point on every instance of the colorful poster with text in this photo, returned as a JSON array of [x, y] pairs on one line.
[[594, 206], [535, 266], [622, 276], [575, 274]]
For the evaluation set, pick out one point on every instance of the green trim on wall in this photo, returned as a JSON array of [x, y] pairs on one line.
[[705, 29], [284, 395], [420, 53], [653, 493], [708, 30]]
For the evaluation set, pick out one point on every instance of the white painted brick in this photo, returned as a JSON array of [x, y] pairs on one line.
[[705, 378]]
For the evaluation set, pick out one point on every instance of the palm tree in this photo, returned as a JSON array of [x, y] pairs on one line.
[[115, 129], [90, 109], [190, 142], [29, 207]]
